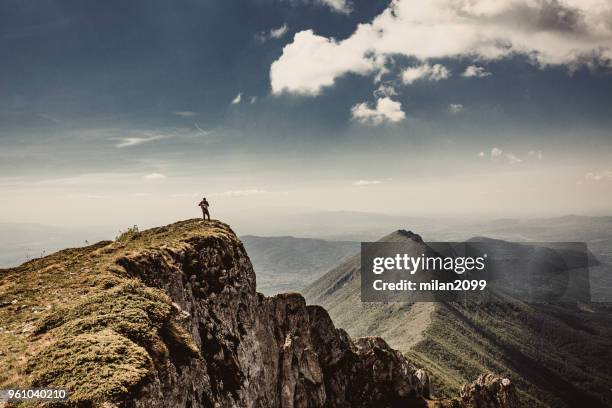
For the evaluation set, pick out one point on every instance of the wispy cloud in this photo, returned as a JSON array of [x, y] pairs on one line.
[[512, 159], [364, 183], [202, 131], [50, 118], [154, 176], [130, 138], [385, 89], [88, 196], [272, 34], [184, 114], [605, 175], [455, 108], [135, 141], [229, 193], [535, 154], [496, 152], [240, 193], [11, 181], [498, 155], [185, 195], [86, 179]]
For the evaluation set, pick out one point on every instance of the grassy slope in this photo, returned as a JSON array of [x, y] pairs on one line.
[[79, 310], [558, 356]]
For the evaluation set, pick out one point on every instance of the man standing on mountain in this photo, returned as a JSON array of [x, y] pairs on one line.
[[204, 206]]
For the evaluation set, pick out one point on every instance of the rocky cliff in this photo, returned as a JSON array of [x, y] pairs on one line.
[[169, 317]]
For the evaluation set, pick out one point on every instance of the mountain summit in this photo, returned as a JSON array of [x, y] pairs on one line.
[[348, 273]]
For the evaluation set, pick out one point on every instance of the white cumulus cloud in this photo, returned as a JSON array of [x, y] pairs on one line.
[[312, 62], [549, 32], [436, 72], [475, 71], [386, 110], [339, 6]]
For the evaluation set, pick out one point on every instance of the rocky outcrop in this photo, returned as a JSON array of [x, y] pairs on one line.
[[258, 351], [170, 318], [410, 235], [490, 391]]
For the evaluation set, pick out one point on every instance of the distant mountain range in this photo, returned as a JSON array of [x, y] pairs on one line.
[[20, 242], [288, 264], [363, 226], [558, 355]]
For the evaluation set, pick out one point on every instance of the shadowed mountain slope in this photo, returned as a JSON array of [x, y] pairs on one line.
[[559, 355]]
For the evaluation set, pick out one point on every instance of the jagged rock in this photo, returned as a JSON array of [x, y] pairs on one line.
[[490, 391], [424, 382], [411, 235], [264, 352]]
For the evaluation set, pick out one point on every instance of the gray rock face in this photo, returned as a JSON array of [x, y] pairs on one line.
[[257, 351], [489, 391]]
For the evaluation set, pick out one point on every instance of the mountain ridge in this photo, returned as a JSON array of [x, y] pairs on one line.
[[456, 341]]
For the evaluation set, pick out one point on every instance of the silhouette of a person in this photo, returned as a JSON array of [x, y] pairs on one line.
[[204, 206]]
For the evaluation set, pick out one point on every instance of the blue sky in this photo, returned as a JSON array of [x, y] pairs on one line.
[[316, 104]]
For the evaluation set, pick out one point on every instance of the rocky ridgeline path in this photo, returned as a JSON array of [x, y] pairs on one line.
[[169, 317]]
